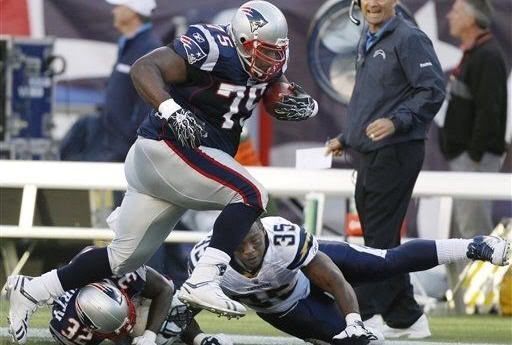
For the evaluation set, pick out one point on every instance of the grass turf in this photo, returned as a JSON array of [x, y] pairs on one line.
[[468, 329]]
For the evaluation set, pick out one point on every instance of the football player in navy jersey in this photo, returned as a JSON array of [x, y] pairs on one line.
[[87, 316], [202, 88], [283, 273], [127, 309]]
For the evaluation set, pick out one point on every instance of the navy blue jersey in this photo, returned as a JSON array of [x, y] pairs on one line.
[[218, 90], [65, 326]]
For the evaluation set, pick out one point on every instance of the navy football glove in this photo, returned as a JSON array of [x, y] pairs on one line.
[[297, 107]]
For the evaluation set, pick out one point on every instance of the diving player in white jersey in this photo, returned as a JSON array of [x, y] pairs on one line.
[[202, 88], [283, 273]]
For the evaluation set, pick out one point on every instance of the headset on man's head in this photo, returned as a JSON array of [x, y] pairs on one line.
[[351, 9]]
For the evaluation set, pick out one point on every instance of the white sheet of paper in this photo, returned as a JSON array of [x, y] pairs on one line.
[[441, 114], [313, 158]]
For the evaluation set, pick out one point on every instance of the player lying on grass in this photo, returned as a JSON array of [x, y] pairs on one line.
[[114, 309], [279, 272], [289, 278]]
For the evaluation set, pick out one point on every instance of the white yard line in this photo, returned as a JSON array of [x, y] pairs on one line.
[[41, 333]]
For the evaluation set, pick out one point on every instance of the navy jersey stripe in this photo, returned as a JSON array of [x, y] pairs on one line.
[[222, 174], [305, 244]]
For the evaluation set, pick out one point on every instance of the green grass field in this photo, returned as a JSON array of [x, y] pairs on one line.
[[465, 329]]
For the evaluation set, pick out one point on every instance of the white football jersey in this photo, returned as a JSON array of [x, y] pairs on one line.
[[279, 283]]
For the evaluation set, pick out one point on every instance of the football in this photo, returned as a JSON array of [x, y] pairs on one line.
[[275, 93]]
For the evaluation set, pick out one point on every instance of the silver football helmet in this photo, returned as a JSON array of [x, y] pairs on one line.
[[260, 33], [104, 309]]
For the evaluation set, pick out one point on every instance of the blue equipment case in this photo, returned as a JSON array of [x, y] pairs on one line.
[[26, 98]]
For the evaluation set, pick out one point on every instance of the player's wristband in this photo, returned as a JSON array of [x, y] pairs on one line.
[[352, 318], [199, 338], [167, 108]]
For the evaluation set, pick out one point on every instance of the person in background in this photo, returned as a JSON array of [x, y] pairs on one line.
[[473, 135], [398, 90], [108, 138]]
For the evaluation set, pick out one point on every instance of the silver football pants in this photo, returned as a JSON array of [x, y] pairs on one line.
[[163, 181]]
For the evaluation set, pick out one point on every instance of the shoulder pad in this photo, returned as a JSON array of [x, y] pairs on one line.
[[198, 47], [294, 245]]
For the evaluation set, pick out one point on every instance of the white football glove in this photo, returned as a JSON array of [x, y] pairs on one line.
[[187, 129], [354, 334], [217, 339], [148, 338]]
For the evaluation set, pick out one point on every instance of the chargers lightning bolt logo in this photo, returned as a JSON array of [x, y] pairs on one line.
[[256, 19], [193, 50]]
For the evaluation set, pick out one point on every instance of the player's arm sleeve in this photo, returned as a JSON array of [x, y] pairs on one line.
[[197, 47], [306, 250], [424, 73]]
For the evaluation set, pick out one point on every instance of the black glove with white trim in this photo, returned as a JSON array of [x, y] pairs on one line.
[[297, 107], [183, 123]]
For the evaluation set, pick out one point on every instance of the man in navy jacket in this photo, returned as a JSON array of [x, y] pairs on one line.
[[115, 130], [124, 109], [399, 88]]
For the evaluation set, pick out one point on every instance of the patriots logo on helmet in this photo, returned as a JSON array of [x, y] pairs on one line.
[[110, 291], [193, 50], [256, 19]]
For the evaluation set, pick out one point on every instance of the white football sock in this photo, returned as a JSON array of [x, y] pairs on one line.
[[451, 250], [45, 286], [206, 268]]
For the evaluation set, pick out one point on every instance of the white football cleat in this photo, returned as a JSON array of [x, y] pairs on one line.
[[22, 306], [418, 330], [494, 249], [208, 295]]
